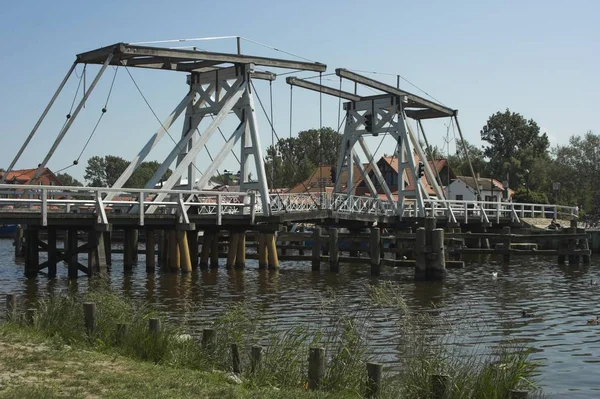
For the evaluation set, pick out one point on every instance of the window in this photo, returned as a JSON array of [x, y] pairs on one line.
[[459, 197]]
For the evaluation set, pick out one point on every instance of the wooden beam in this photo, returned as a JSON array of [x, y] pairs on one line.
[[294, 81], [344, 73], [123, 50]]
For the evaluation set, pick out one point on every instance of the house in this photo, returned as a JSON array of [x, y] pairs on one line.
[[464, 188], [389, 169], [25, 176], [321, 180]]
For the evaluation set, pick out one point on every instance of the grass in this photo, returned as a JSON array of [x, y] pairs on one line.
[[172, 364]]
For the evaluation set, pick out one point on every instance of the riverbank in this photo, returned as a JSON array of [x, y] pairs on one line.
[[35, 366]]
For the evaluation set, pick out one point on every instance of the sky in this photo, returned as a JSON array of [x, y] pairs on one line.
[[537, 58]]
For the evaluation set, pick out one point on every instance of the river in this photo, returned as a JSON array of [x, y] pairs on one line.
[[561, 298]]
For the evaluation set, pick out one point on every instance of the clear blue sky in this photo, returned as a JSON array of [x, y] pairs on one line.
[[538, 58]]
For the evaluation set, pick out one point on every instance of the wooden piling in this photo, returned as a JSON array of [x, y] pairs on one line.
[[150, 251], [135, 240], [30, 316], [334, 260], [107, 241], [437, 259], [205, 251], [273, 261], [52, 252], [19, 241], [208, 338], [374, 249], [89, 315], [584, 244], [507, 243], [128, 259], [240, 259], [316, 249], [232, 250], [255, 358], [11, 307], [192, 238], [214, 251], [174, 256], [154, 326], [184, 251], [32, 256], [420, 254], [93, 267], [73, 265], [374, 376], [263, 257], [316, 367], [302, 229], [235, 359], [440, 386]]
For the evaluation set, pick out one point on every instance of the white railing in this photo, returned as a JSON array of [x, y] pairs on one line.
[[46, 200]]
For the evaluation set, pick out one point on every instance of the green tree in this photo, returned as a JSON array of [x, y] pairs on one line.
[[514, 146], [68, 180], [143, 173], [104, 172], [459, 164], [293, 160]]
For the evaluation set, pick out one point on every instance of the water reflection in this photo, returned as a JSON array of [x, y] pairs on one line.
[[561, 298]]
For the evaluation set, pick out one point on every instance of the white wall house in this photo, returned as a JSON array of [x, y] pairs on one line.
[[463, 188]]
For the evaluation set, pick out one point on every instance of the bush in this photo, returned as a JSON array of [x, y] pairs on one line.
[[531, 197]]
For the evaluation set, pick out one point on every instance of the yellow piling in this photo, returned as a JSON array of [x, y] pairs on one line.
[[174, 258], [272, 251], [184, 251], [206, 243], [262, 251], [240, 262], [232, 249]]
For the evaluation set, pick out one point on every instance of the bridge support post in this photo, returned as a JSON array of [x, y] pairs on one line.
[[354, 243], [240, 261], [272, 251], [263, 257], [420, 251], [93, 261], [374, 249], [129, 248], [316, 249], [584, 244], [437, 260], [150, 251], [232, 250], [19, 241], [107, 235], [192, 239], [72, 240], [135, 238], [184, 251], [572, 243], [507, 242], [214, 251], [51, 252], [174, 261], [334, 250], [32, 259], [205, 251], [301, 229]]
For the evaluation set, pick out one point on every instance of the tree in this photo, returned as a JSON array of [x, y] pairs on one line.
[[104, 172], [459, 164], [293, 160], [68, 180], [514, 146]]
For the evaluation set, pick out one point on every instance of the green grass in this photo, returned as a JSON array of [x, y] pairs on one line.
[[143, 365]]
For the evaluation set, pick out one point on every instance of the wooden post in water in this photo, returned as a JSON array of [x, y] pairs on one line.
[[584, 244], [11, 307], [240, 259], [316, 367], [235, 359], [302, 229], [232, 250], [135, 239], [573, 258], [32, 258], [184, 251], [30, 316], [518, 394], [420, 254], [507, 242], [263, 257], [93, 266], [154, 326], [72, 240], [272, 251], [255, 358], [128, 249], [19, 241], [192, 239], [208, 338], [107, 240], [374, 249], [437, 259], [150, 251], [89, 316], [174, 256], [334, 262], [440, 386], [214, 251], [205, 251], [374, 374], [316, 249]]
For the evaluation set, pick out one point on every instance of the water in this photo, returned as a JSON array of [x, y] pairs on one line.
[[561, 299]]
